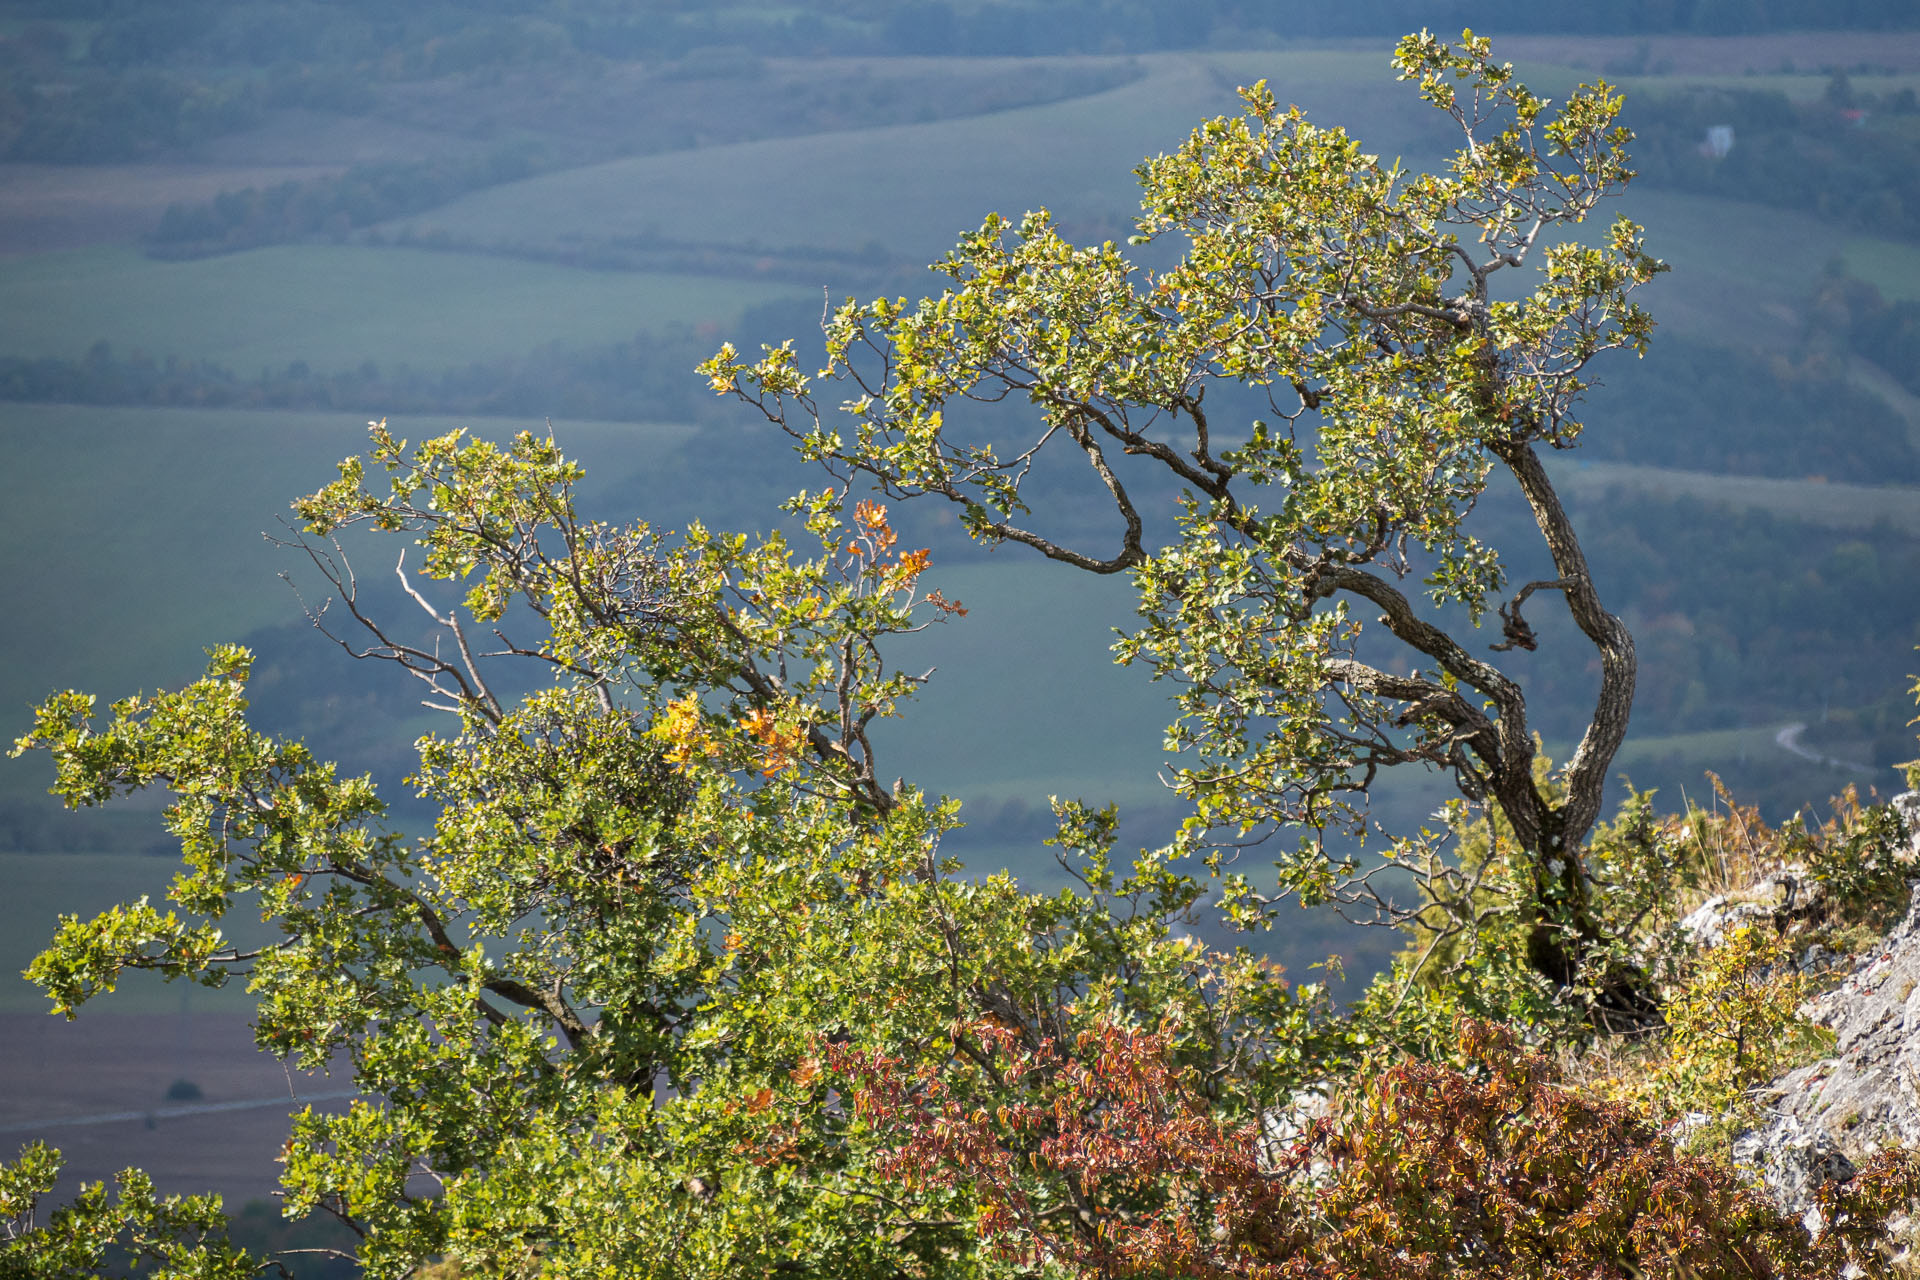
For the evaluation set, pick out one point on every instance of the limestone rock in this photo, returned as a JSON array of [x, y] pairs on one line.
[[1825, 1117], [1907, 805], [1794, 1161], [1786, 895]]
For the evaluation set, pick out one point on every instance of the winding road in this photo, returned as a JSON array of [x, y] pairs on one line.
[[1789, 739]]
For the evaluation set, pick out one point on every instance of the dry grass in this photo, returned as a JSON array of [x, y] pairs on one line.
[[1729, 851], [1732, 852]]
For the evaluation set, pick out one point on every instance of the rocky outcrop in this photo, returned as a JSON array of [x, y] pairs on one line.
[[1793, 1162], [1780, 898], [1823, 1118], [1907, 805]]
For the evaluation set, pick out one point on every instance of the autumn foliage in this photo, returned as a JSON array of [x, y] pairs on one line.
[[1488, 1167]]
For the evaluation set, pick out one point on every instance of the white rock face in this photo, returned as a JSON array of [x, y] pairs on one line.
[[1793, 1161], [1907, 805], [1787, 894], [1282, 1127], [1708, 924], [1826, 1117]]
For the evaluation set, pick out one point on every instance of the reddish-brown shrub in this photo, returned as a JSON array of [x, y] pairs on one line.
[[1101, 1156]]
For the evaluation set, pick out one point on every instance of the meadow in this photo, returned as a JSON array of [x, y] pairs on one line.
[[1894, 268], [335, 306], [912, 189], [140, 541], [40, 889], [1823, 505], [138, 535]]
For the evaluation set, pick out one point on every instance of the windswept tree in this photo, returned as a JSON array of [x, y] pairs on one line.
[[1366, 303]]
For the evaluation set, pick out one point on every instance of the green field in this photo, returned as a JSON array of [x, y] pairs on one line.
[[136, 538], [1827, 506], [913, 188], [1710, 749], [137, 541], [1798, 87], [1892, 267], [41, 889], [1026, 700], [336, 306], [170, 559], [135, 535]]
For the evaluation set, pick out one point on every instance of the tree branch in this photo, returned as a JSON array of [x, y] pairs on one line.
[[1511, 764], [1586, 772]]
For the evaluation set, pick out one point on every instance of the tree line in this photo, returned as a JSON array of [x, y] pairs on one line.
[[55, 108], [1851, 315], [1690, 405], [439, 38], [643, 379], [330, 207], [1849, 156]]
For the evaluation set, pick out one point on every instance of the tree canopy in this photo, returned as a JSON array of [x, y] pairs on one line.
[[1361, 300], [680, 983]]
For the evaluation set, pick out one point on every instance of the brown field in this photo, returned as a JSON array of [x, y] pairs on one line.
[[45, 207], [327, 140], [59, 1079]]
